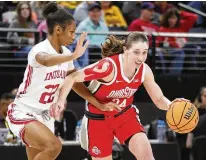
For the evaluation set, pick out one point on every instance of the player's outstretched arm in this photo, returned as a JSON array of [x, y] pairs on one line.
[[100, 70], [154, 91], [51, 60], [84, 92]]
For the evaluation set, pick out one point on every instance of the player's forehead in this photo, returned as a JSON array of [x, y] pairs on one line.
[[71, 27], [142, 46]]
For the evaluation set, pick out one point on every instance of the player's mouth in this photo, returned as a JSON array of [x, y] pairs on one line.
[[138, 63]]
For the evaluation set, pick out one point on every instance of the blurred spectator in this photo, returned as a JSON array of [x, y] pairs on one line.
[[81, 11], [11, 4], [175, 21], [3, 8], [131, 10], [69, 5], [37, 7], [197, 138], [94, 24], [23, 20], [201, 6], [162, 6], [14, 91], [112, 15], [42, 27], [144, 23], [5, 101]]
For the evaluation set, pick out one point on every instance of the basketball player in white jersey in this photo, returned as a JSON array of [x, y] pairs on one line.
[[48, 62]]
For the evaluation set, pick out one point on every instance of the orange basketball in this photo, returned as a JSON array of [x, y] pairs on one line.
[[182, 117]]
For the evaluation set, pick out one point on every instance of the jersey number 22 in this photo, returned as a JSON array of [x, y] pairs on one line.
[[48, 97]]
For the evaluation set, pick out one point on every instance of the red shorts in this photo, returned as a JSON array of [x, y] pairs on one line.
[[97, 136]]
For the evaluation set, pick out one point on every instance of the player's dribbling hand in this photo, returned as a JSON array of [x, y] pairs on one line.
[[110, 107], [80, 48], [179, 100]]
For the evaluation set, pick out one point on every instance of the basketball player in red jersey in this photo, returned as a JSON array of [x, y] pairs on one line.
[[48, 62], [116, 78]]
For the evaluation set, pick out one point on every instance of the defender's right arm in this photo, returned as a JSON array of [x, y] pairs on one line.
[[51, 60], [100, 70]]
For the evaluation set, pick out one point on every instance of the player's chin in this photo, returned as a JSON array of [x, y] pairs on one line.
[[69, 43]]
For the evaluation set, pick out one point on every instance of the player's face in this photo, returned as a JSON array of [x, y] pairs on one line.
[[137, 53], [68, 35]]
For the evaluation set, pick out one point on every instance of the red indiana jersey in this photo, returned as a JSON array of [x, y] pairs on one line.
[[120, 90]]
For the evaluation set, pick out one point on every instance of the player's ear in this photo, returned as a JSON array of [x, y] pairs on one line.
[[58, 29]]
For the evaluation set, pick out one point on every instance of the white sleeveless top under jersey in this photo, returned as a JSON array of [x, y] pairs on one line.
[[41, 84]]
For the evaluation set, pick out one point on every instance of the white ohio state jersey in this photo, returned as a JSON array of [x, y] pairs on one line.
[[41, 84]]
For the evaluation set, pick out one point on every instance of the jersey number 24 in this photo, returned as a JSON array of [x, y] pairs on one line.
[[120, 103]]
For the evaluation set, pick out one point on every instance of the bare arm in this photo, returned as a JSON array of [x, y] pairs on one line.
[[84, 92], [154, 91], [51, 60], [99, 70]]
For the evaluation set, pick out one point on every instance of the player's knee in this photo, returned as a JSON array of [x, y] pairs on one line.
[[54, 147]]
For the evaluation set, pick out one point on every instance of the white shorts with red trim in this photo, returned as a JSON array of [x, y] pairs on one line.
[[19, 115]]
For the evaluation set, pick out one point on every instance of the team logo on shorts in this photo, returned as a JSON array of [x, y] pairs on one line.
[[96, 151]]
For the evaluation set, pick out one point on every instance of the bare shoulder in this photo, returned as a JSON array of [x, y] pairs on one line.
[[148, 73]]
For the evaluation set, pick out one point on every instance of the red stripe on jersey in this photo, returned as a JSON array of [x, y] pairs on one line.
[[28, 79], [17, 121]]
